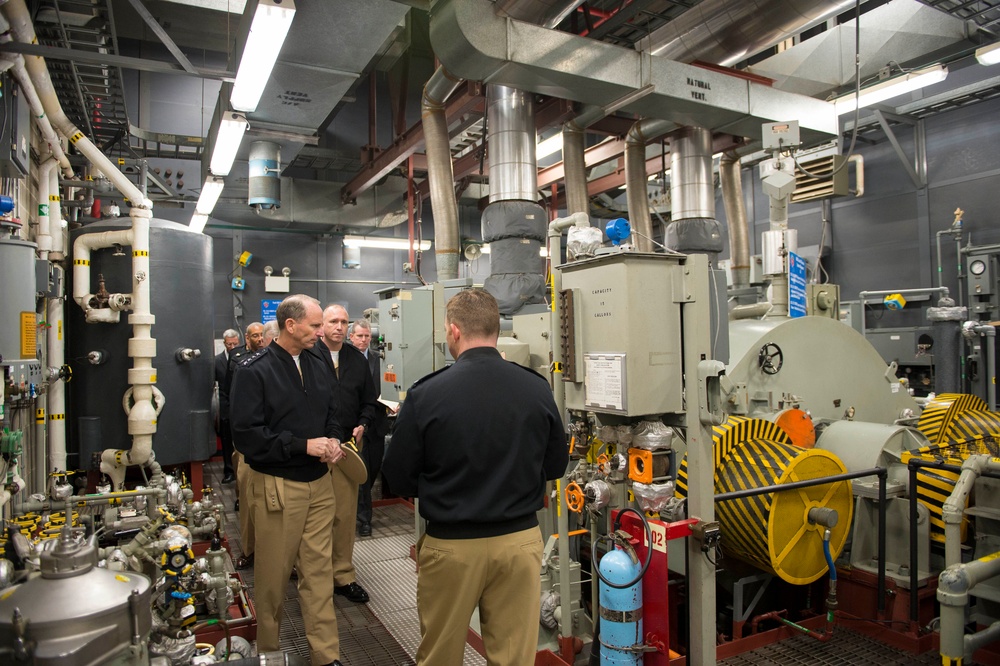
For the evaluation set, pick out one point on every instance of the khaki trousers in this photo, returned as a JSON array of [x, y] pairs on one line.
[[294, 521], [243, 471], [346, 493], [500, 575]]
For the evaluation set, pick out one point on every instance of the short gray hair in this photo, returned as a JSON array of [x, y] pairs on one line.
[[360, 323], [293, 307], [271, 329], [230, 333]]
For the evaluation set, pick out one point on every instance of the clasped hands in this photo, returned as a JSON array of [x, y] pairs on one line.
[[327, 449]]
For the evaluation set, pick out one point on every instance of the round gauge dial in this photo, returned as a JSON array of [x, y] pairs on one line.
[[977, 267]]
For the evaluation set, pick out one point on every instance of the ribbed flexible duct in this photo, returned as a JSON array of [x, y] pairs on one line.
[[693, 227], [636, 192], [440, 172], [725, 32]]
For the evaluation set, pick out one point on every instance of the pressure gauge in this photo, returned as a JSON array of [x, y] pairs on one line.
[[977, 267]]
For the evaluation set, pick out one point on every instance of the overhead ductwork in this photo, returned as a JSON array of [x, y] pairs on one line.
[[441, 172], [731, 181], [636, 190], [725, 32], [546, 13], [475, 44], [693, 227]]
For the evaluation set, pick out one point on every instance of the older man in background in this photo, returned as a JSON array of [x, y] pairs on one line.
[[230, 340]]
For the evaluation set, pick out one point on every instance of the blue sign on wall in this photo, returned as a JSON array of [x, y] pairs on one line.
[[796, 285], [269, 309]]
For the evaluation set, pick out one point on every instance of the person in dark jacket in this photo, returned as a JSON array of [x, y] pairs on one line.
[[231, 340], [349, 373], [476, 443], [360, 337], [284, 419]]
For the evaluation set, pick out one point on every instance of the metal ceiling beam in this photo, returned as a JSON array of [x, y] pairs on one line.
[[468, 99], [158, 30], [127, 62]]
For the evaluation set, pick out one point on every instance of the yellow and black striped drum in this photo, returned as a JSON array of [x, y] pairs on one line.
[[772, 531], [729, 435], [958, 426]]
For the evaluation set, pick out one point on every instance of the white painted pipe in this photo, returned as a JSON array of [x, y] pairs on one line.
[[17, 68], [57, 386], [57, 229], [82, 248], [43, 237]]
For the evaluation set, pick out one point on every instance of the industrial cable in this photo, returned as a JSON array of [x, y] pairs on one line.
[[649, 551]]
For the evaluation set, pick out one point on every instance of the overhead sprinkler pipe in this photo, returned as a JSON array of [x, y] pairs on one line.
[[440, 171]]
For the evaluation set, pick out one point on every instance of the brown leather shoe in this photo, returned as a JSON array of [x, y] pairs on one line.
[[244, 561]]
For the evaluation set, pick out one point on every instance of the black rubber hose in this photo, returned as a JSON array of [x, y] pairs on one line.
[[649, 551]]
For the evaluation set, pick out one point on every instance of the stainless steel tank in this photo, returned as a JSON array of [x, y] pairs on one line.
[[181, 300], [76, 614]]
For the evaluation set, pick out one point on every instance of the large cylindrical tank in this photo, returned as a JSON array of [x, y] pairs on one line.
[[180, 275], [17, 308]]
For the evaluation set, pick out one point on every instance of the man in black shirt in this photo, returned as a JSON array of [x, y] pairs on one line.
[[476, 443], [231, 340], [361, 337], [357, 400], [284, 419]]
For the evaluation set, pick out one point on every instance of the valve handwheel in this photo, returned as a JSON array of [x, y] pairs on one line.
[[770, 358], [574, 497]]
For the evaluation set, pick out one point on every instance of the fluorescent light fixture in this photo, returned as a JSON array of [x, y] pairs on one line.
[[267, 33], [210, 193], [549, 146], [227, 143], [989, 54], [385, 243], [890, 88], [542, 251], [198, 222]]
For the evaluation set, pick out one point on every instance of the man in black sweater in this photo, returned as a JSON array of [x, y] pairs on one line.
[[231, 340], [348, 371], [284, 420], [360, 337], [476, 443]]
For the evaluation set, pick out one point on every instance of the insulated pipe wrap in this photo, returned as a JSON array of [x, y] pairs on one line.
[[511, 136]]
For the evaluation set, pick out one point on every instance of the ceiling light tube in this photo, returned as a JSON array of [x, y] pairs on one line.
[[227, 143], [198, 222], [385, 243], [989, 54], [542, 251], [908, 82], [210, 193], [267, 33]]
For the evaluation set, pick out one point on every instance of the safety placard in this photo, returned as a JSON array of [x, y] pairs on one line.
[[658, 532], [796, 285], [269, 309], [29, 335], [604, 381]]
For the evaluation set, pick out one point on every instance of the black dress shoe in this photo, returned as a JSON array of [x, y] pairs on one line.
[[229, 477], [365, 529], [353, 592], [244, 561]]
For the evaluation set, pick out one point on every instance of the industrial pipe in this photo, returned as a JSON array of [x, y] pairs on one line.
[[730, 175], [953, 509], [954, 584], [641, 133], [441, 171]]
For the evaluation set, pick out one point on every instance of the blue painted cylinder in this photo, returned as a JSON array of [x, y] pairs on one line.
[[621, 610]]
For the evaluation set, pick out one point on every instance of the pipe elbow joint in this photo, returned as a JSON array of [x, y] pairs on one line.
[[953, 586]]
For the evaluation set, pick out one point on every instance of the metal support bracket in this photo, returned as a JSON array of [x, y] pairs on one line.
[[917, 170]]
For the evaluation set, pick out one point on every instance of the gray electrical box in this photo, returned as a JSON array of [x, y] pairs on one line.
[[406, 320], [15, 131], [621, 333]]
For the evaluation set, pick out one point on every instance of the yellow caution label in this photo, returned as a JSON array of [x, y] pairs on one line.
[[81, 262], [990, 558], [6, 595], [121, 161], [29, 334], [53, 197], [57, 417], [59, 330], [152, 378], [39, 415], [140, 253], [124, 579], [557, 367], [76, 137]]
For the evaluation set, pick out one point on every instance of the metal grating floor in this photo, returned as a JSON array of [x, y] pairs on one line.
[[846, 648], [384, 631]]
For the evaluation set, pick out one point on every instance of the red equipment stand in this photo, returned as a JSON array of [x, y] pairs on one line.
[[656, 604]]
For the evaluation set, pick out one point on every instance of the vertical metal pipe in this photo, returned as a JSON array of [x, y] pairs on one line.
[[636, 191], [914, 562], [692, 188], [575, 167], [731, 176], [882, 477], [441, 172], [511, 136]]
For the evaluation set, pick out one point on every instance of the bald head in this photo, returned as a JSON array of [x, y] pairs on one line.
[[335, 321]]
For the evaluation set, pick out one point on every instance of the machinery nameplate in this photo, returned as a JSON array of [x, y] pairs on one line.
[[605, 382]]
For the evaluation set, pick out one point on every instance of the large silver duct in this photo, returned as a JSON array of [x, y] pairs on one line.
[[440, 172], [546, 13], [513, 224], [693, 227], [641, 133], [575, 160], [726, 32], [730, 174], [510, 121]]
